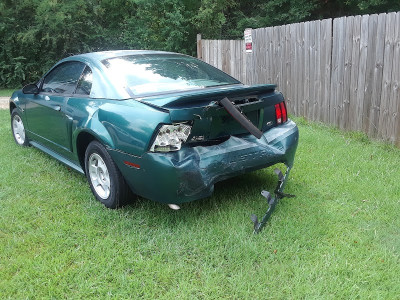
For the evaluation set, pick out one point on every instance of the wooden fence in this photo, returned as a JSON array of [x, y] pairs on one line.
[[343, 71]]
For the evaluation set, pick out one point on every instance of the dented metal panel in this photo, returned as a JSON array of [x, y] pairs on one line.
[[191, 173]]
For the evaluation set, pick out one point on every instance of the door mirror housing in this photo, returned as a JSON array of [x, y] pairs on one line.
[[30, 89]]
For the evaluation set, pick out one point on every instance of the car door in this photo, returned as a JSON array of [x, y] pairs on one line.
[[46, 111]]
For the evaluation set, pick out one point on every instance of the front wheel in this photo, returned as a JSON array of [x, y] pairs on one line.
[[105, 180], [18, 129]]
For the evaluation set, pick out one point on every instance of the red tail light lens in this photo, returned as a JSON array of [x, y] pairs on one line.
[[284, 112], [278, 112]]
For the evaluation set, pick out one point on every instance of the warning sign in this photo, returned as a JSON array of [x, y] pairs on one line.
[[248, 40]]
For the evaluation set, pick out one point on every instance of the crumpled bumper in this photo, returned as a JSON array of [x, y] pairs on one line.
[[190, 173]]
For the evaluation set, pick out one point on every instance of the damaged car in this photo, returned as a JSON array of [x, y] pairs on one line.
[[161, 125]]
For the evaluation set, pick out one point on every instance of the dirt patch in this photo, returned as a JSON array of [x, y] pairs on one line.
[[4, 102]]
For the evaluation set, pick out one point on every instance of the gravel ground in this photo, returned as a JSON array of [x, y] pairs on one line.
[[4, 102]]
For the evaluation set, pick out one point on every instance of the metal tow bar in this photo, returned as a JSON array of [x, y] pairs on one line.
[[272, 201]]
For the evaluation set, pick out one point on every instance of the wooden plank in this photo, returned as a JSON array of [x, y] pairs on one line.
[[199, 47], [280, 56], [326, 66], [345, 97], [249, 58], [291, 76], [209, 52], [276, 56], [370, 69], [359, 117], [204, 44], [377, 74], [300, 74], [287, 70], [264, 56], [316, 80], [225, 57], [297, 69], [306, 72], [242, 48], [355, 61], [338, 105], [219, 54], [336, 47], [284, 62], [215, 53], [256, 56], [233, 61], [237, 58], [395, 88], [312, 41], [267, 66], [384, 115], [294, 66], [299, 79]]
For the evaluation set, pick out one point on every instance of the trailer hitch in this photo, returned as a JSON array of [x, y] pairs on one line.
[[272, 201]]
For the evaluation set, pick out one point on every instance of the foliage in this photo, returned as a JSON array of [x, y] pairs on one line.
[[6, 93], [34, 34]]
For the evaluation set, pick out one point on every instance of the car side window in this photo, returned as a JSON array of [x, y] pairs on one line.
[[63, 79], [85, 82]]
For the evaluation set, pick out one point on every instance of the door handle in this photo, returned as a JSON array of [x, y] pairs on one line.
[[57, 107], [47, 98]]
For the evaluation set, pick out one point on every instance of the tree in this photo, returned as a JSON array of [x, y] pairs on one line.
[[34, 34]]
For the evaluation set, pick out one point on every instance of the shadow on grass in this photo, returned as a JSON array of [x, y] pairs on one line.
[[238, 197]]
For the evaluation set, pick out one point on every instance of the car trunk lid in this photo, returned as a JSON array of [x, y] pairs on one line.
[[210, 120]]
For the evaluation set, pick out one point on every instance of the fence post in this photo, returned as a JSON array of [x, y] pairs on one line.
[[199, 50]]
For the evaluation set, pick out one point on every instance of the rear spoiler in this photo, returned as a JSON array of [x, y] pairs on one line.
[[182, 99]]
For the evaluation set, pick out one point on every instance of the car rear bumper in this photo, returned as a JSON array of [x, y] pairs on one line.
[[190, 173]]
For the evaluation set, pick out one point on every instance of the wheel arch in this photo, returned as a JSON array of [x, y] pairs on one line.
[[12, 107], [82, 141]]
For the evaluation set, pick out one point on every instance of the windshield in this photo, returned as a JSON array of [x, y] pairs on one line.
[[157, 73]]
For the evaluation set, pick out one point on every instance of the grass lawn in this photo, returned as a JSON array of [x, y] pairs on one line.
[[339, 238], [6, 92]]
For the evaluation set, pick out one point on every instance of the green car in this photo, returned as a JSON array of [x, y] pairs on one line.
[[160, 125]]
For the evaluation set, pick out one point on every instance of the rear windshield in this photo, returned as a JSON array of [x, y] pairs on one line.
[[158, 73]]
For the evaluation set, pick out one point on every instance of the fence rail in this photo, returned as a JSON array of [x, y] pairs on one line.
[[343, 71]]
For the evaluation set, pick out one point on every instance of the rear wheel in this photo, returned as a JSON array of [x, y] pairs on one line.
[[18, 129], [105, 180]]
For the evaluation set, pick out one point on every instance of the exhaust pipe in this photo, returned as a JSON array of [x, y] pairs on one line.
[[174, 206]]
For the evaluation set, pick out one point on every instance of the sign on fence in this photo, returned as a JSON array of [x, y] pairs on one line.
[[248, 41]]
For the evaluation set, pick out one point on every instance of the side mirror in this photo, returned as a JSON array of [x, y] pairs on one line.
[[30, 89]]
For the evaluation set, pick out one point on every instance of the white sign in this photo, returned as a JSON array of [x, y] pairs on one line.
[[248, 41]]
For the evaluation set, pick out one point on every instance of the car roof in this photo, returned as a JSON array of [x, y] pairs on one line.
[[116, 53], [103, 87]]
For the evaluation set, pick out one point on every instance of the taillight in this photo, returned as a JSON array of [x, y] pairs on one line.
[[284, 112], [170, 137], [280, 112]]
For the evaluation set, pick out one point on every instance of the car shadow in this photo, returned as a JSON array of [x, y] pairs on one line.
[[241, 193]]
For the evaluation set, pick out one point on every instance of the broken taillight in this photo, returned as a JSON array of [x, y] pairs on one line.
[[280, 112], [170, 137]]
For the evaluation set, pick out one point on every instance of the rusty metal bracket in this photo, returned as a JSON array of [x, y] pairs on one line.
[[272, 201]]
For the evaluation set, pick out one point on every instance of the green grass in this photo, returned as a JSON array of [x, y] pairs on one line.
[[338, 239], [6, 92]]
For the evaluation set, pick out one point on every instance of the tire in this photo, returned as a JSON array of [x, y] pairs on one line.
[[105, 180], [18, 129]]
